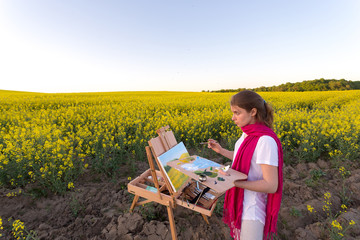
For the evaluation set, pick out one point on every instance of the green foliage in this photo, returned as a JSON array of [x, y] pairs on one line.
[[295, 212], [76, 206], [310, 85], [219, 205], [315, 177], [316, 174], [345, 194], [150, 212]]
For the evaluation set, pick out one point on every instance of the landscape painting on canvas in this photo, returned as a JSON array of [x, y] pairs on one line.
[[177, 178]]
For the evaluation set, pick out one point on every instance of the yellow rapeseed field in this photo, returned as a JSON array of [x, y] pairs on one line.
[[49, 139]]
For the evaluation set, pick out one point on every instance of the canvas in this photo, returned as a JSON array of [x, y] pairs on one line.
[[176, 178]]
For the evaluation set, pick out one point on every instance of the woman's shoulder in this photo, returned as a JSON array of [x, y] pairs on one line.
[[266, 151], [267, 141]]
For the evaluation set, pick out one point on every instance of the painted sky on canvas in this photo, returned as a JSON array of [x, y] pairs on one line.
[[174, 153], [189, 45]]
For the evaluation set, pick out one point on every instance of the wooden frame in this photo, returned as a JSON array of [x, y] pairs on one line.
[[154, 186]]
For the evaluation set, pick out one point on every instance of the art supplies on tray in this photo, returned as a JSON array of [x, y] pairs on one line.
[[181, 167]]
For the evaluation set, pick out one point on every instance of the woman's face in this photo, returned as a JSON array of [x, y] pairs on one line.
[[241, 117]]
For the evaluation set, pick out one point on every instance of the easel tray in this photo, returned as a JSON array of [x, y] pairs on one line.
[[143, 186]]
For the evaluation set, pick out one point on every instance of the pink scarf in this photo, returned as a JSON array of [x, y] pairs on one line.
[[233, 204]]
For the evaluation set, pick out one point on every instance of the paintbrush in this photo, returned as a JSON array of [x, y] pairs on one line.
[[207, 142]]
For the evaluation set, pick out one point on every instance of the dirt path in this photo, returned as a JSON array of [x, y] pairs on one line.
[[99, 209]]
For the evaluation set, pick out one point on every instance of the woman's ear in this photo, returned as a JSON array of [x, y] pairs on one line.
[[253, 112]]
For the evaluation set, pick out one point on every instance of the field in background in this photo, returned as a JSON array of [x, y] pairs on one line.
[[49, 139]]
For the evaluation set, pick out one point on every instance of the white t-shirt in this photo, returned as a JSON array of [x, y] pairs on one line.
[[266, 152]]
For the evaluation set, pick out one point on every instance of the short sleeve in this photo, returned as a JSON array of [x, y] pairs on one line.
[[237, 145], [266, 151]]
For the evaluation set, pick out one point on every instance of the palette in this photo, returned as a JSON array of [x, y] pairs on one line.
[[217, 177]]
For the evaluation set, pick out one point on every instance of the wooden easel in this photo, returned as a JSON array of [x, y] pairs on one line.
[[164, 194]]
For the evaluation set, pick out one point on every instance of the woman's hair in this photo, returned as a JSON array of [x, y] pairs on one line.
[[248, 100]]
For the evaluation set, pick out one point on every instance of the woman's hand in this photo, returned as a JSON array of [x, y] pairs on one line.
[[214, 145]]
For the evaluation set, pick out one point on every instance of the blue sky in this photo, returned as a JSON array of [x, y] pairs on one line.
[[188, 45]]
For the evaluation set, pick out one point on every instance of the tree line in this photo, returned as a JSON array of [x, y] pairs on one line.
[[308, 85]]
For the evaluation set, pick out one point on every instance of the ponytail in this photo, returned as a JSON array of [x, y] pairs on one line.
[[268, 116]]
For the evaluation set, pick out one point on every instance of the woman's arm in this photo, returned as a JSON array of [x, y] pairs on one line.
[[269, 183], [214, 145], [226, 153]]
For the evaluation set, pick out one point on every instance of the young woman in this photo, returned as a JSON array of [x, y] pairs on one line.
[[251, 207]]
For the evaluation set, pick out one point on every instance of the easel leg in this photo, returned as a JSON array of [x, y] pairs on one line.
[[136, 198], [206, 219], [172, 222]]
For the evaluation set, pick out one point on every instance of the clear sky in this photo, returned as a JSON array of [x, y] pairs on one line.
[[175, 45]]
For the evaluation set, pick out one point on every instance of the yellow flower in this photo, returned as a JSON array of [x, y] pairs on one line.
[[327, 195], [67, 129], [344, 173], [1, 226], [310, 208], [18, 229], [352, 222], [326, 208], [336, 224], [129, 178], [344, 207], [31, 174], [70, 185]]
